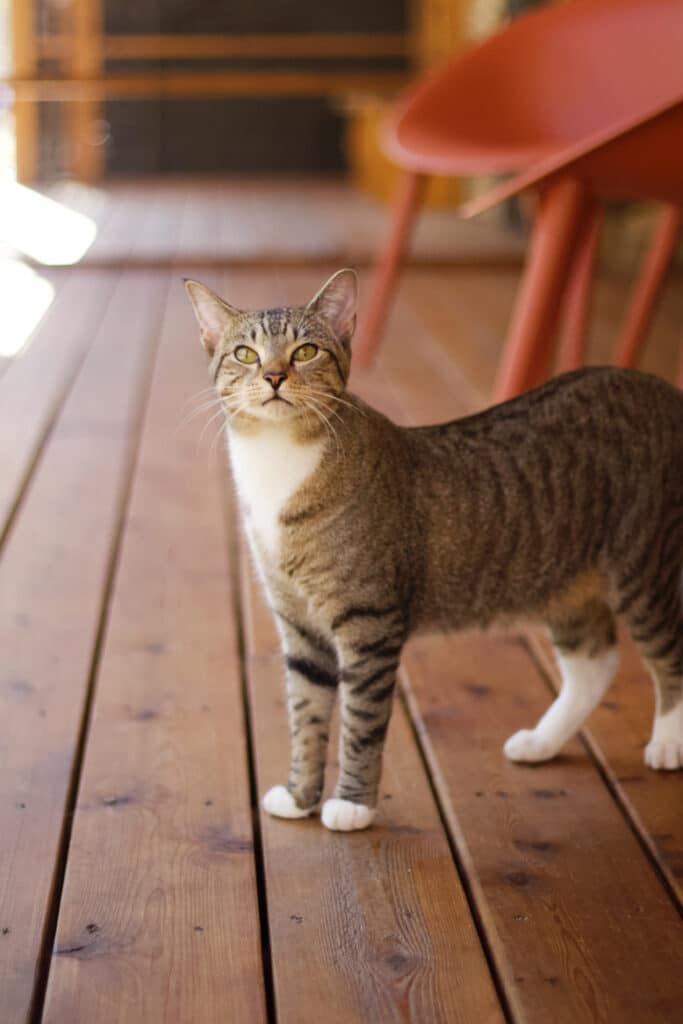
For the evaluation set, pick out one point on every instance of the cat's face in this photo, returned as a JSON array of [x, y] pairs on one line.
[[282, 364]]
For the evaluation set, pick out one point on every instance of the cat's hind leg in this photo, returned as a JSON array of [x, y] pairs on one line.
[[584, 643], [651, 601], [665, 749], [661, 645]]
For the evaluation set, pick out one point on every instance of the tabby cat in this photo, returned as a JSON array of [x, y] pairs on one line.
[[562, 506]]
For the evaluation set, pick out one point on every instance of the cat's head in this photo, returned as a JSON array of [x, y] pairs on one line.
[[278, 364]]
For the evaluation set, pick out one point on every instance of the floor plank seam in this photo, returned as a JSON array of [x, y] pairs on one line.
[[611, 785], [49, 427], [457, 860], [47, 943], [234, 565], [279, 261]]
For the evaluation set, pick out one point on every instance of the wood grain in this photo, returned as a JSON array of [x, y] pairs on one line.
[[34, 385], [569, 901], [374, 926], [284, 221], [54, 573], [616, 734], [159, 915]]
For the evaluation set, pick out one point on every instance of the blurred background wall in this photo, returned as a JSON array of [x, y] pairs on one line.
[[134, 87]]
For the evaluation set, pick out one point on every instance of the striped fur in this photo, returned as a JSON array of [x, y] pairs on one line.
[[563, 506]]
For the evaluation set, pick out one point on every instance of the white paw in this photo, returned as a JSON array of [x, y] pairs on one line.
[[345, 816], [279, 802], [526, 745], [664, 755]]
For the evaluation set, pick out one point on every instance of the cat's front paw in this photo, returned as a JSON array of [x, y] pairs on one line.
[[664, 755], [345, 816], [279, 802], [527, 745]]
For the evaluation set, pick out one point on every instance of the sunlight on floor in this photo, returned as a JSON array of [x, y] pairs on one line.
[[25, 297], [41, 228]]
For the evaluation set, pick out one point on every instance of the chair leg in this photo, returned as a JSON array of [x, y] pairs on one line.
[[646, 292], [405, 205], [527, 355], [573, 340]]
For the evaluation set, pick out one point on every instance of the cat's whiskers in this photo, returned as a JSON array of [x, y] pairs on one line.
[[221, 431], [298, 391], [198, 394], [332, 412], [311, 404], [235, 406], [194, 413], [229, 410], [336, 398], [220, 413]]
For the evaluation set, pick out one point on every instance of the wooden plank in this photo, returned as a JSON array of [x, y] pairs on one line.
[[204, 83], [468, 315], [371, 925], [162, 227], [440, 30], [32, 388], [55, 569], [569, 901], [86, 156], [296, 222], [24, 63], [159, 915], [124, 225], [374, 925], [617, 733], [291, 45], [141, 228]]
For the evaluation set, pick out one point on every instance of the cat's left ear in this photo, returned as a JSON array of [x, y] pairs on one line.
[[337, 301], [213, 314]]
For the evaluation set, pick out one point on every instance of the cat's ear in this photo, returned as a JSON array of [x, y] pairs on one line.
[[213, 314], [337, 301]]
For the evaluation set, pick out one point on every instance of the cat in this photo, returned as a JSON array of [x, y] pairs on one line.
[[563, 506]]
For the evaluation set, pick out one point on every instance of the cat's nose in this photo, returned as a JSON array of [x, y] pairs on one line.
[[275, 378]]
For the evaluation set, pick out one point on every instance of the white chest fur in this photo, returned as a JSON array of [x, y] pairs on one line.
[[269, 467]]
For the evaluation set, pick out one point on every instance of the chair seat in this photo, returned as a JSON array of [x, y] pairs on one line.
[[563, 76]]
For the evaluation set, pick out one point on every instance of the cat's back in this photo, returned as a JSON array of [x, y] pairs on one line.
[[578, 428], [521, 499], [596, 399]]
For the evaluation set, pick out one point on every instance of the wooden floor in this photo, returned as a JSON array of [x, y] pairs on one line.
[[288, 221], [143, 714]]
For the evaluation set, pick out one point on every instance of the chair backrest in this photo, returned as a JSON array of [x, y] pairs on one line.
[[549, 78]]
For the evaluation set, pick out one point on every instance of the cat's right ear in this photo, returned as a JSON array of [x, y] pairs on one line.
[[213, 314]]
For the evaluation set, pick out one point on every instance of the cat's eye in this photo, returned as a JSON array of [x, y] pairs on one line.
[[303, 353], [245, 354]]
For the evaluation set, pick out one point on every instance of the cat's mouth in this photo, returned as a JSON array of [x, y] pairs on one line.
[[276, 398]]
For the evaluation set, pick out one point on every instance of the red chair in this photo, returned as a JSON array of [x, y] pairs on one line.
[[582, 101]]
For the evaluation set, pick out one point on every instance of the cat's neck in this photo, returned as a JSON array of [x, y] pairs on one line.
[[270, 463]]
